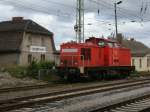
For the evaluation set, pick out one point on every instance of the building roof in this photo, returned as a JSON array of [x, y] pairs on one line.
[[138, 49], [135, 46], [140, 54], [23, 25], [11, 34]]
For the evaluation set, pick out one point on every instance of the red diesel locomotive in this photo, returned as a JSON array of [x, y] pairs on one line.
[[96, 58]]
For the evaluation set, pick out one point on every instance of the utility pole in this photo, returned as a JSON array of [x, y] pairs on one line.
[[116, 21], [79, 27], [116, 25]]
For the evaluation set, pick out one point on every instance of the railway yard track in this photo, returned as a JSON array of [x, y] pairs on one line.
[[138, 104], [27, 101], [23, 88]]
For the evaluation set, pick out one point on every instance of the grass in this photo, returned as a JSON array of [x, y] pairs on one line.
[[17, 71], [32, 71]]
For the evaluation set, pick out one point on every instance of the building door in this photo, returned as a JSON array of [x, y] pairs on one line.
[[42, 57], [29, 58]]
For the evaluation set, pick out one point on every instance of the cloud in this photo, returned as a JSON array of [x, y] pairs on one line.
[[59, 17], [63, 32]]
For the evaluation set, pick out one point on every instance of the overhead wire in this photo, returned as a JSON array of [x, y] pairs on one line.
[[37, 8], [121, 11], [40, 8]]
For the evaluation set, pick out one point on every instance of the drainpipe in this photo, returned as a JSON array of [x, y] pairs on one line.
[[24, 34]]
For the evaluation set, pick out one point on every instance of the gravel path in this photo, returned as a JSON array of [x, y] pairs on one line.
[[6, 80]]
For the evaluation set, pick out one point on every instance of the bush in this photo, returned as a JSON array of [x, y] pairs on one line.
[[45, 68], [35, 66], [46, 65]]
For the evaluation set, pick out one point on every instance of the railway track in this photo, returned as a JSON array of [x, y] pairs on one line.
[[137, 104], [146, 109], [26, 88], [59, 95], [23, 88]]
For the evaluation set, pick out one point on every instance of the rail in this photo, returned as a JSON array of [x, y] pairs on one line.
[[133, 104], [70, 93], [23, 88]]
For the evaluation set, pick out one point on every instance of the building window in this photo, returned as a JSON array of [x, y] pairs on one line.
[[140, 63], [148, 61], [29, 58], [30, 40], [42, 41], [133, 62], [42, 57]]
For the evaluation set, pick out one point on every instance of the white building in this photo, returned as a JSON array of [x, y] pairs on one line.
[[22, 41], [140, 54], [141, 61]]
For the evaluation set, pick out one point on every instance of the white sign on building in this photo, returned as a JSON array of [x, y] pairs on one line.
[[38, 49]]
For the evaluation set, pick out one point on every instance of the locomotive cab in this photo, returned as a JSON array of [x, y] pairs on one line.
[[75, 56]]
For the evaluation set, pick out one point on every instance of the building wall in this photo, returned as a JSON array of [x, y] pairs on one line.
[[57, 59], [29, 40], [9, 40], [9, 59], [141, 63]]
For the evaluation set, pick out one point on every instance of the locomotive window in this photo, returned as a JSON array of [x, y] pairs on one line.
[[110, 44], [116, 45], [85, 54], [101, 43]]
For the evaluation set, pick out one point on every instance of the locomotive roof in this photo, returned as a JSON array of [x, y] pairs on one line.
[[80, 44], [106, 40], [91, 42], [88, 43]]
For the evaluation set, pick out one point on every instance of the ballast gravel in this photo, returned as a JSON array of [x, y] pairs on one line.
[[85, 103]]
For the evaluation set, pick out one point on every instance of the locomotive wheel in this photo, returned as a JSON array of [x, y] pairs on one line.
[[65, 77], [68, 78], [96, 75], [124, 74], [93, 75], [72, 78]]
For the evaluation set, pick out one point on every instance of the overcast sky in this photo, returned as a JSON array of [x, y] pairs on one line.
[[59, 17]]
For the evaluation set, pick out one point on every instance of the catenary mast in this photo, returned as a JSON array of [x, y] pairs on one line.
[[79, 27]]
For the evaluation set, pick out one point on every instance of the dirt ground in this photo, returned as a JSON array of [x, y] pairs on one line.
[[6, 80]]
